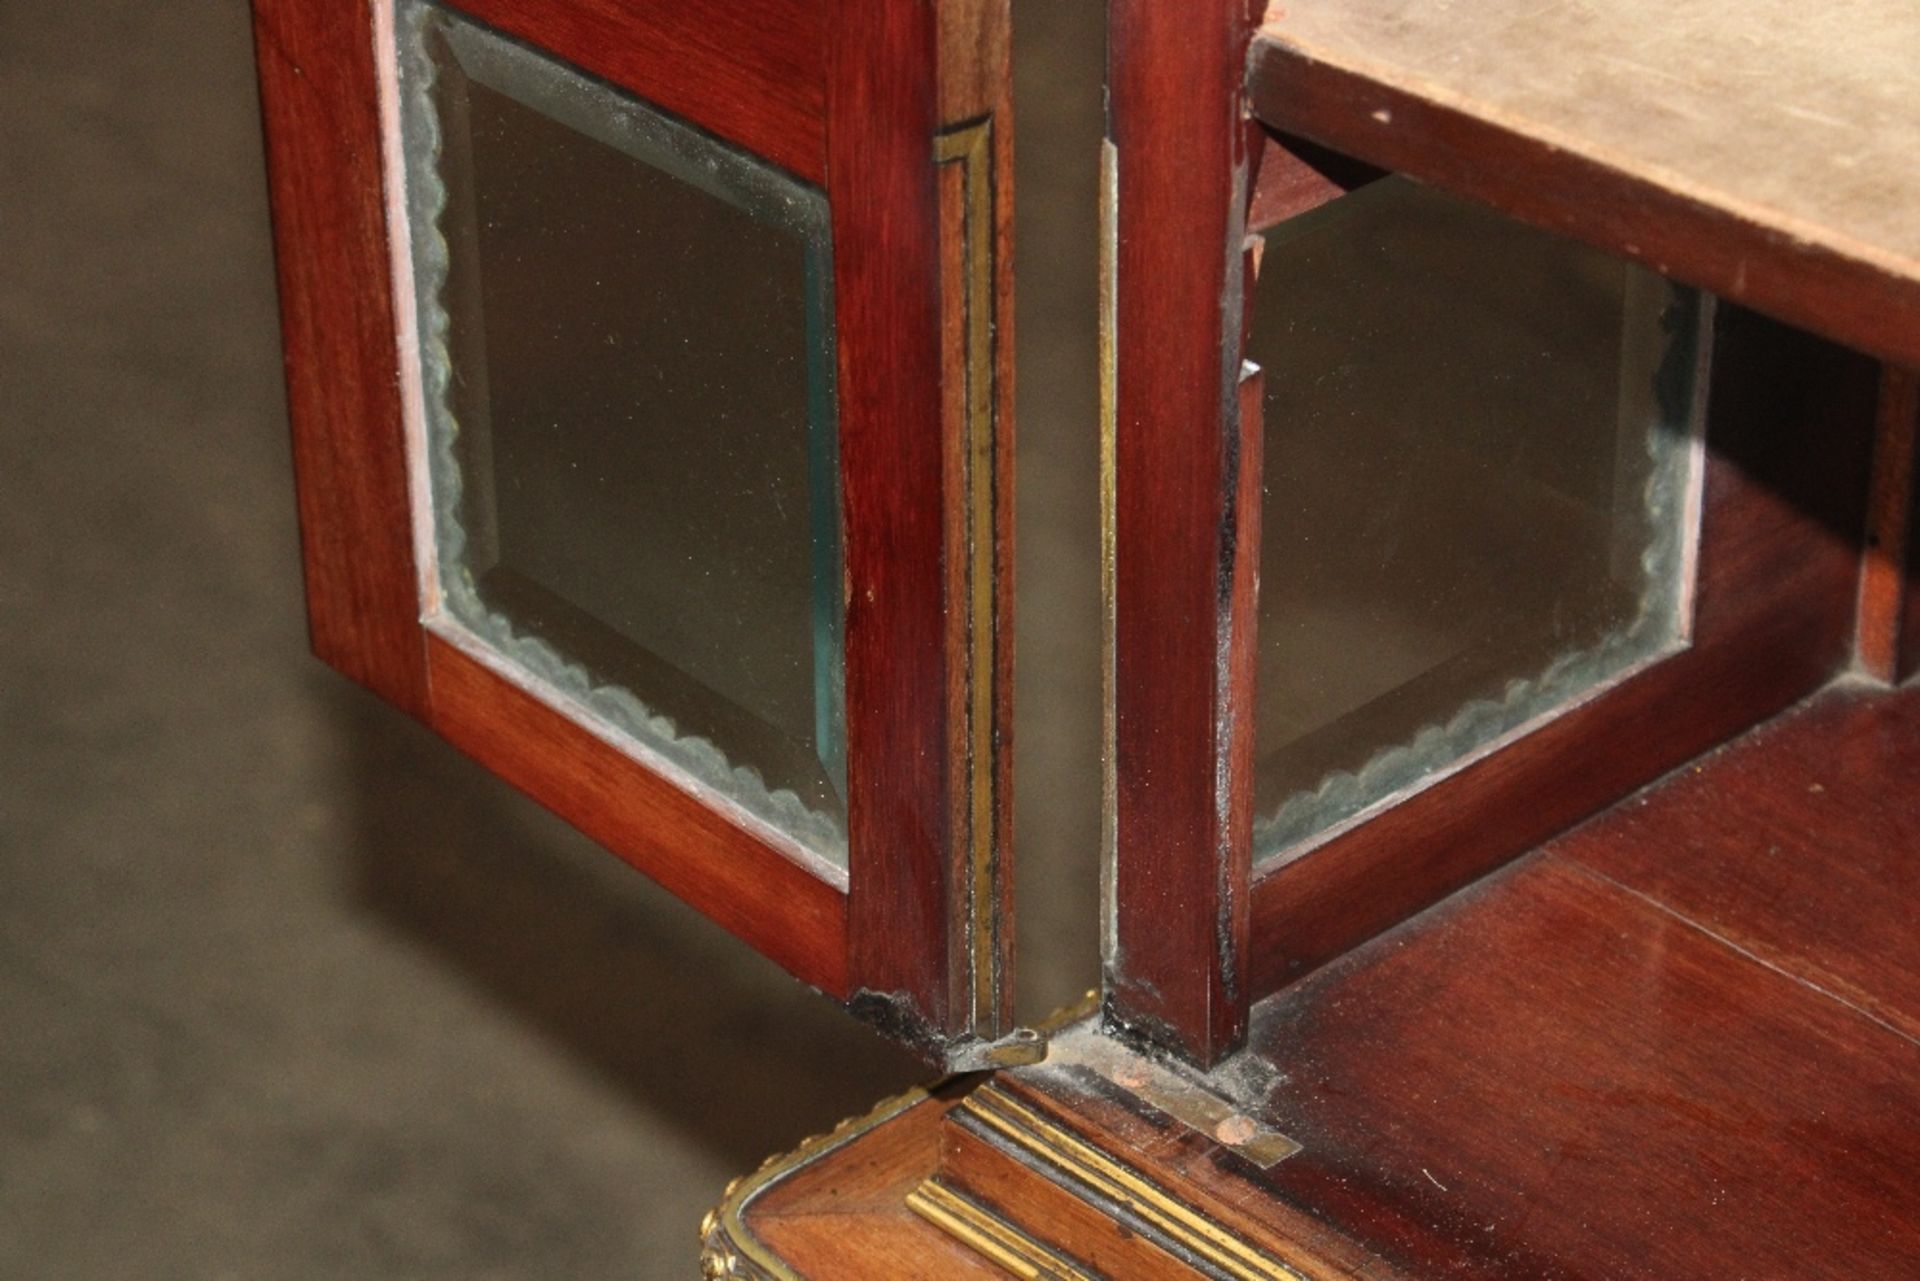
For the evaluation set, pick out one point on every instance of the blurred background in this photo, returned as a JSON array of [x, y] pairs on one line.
[[288, 988]]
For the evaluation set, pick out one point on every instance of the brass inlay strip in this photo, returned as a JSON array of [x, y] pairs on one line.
[[986, 1233], [729, 1249], [971, 146], [1152, 1204], [1109, 520], [1181, 1095]]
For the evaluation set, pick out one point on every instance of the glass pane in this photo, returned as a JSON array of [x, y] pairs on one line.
[[627, 350], [1477, 479]]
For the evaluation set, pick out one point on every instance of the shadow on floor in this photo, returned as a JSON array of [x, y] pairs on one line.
[[564, 936]]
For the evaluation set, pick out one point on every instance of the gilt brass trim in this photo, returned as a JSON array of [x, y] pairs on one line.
[[1152, 1206], [1109, 535], [729, 1251], [1192, 1100], [971, 147], [986, 1233]]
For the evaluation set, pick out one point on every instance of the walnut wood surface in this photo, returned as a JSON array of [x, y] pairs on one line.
[[320, 112], [1760, 150], [1789, 434], [1175, 966]]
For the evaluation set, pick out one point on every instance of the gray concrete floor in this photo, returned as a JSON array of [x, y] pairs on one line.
[[287, 988]]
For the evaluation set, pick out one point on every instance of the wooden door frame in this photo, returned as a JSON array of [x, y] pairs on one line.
[[1179, 546], [861, 98]]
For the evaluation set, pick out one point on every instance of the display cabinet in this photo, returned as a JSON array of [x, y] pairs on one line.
[[1507, 471]]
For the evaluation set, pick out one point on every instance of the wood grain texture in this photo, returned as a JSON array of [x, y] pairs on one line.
[[319, 109], [1292, 177], [1678, 1042], [1797, 844], [957, 569], [882, 109], [1174, 969], [991, 60], [720, 866], [1176, 1170], [845, 1217], [1789, 435], [1761, 153], [1632, 1056], [975, 88], [1021, 1193], [752, 74], [1557, 1080], [907, 366]]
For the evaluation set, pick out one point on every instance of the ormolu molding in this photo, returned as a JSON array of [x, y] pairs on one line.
[[971, 147], [1134, 1200], [986, 1233], [729, 1251]]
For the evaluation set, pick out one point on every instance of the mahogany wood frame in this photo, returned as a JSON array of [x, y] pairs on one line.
[[1195, 931], [853, 96], [1176, 510]]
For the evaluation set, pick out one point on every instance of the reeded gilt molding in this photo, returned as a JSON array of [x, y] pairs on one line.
[[1135, 1201], [989, 1235], [970, 146]]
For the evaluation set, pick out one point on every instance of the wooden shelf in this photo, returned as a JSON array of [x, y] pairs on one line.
[[1762, 149]]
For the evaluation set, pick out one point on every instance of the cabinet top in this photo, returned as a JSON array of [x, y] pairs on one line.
[[1799, 121]]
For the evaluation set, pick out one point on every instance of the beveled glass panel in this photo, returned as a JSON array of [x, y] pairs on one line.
[[1477, 476], [627, 355]]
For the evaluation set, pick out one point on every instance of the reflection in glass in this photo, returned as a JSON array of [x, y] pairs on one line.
[[626, 337], [1476, 485]]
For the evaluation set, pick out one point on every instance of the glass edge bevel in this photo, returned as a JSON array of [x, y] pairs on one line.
[[1345, 799]]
